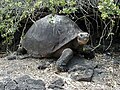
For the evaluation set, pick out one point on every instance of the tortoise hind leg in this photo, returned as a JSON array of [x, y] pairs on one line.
[[61, 63], [21, 51]]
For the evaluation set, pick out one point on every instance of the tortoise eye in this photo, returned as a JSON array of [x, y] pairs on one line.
[[81, 35]]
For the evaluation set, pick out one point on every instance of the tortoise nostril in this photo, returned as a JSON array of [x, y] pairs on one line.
[[87, 35]]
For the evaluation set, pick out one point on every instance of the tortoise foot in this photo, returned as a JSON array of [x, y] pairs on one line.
[[62, 69]]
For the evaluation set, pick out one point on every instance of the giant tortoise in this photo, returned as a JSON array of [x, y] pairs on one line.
[[55, 36]]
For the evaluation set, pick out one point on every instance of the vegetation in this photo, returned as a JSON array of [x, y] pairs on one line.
[[110, 11], [13, 11]]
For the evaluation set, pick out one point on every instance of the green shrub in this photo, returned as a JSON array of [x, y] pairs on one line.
[[13, 11], [108, 9]]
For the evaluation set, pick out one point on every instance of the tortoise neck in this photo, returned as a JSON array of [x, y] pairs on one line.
[[76, 45]]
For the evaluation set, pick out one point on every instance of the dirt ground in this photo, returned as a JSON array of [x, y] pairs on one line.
[[106, 74]]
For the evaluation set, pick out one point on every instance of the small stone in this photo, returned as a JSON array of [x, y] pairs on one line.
[[22, 79], [11, 85], [6, 80], [82, 74], [2, 86], [42, 66], [35, 84], [11, 57], [23, 86], [109, 53], [117, 61]]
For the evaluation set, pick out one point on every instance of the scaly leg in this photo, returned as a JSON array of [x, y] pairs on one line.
[[66, 55]]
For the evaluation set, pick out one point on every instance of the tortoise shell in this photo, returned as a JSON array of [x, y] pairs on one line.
[[49, 34]]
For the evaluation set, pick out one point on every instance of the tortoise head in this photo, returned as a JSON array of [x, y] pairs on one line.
[[82, 38]]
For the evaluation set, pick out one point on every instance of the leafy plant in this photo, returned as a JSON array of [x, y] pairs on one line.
[[108, 9], [13, 11]]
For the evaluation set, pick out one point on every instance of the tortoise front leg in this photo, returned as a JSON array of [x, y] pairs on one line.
[[61, 63]]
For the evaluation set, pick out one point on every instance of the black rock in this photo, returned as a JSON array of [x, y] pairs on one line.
[[35, 84], [81, 62], [22, 83], [26, 83], [81, 69], [82, 74], [57, 84]]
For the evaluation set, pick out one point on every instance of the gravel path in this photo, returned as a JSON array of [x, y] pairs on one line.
[[105, 76]]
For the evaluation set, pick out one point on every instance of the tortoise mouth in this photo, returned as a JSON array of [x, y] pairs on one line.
[[83, 41]]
